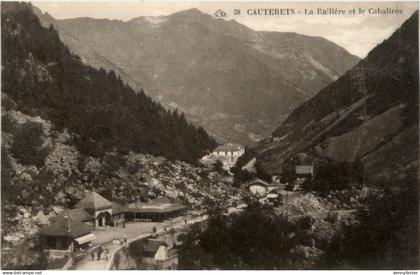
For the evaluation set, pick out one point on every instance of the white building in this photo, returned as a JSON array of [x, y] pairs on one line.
[[228, 154]]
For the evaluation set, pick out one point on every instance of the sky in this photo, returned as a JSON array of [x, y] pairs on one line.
[[357, 33]]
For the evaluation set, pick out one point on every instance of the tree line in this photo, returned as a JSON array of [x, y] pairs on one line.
[[45, 79]]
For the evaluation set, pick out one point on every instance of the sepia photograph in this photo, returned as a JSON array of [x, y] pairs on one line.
[[148, 135]]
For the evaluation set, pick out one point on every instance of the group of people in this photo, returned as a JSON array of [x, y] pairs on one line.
[[99, 253]]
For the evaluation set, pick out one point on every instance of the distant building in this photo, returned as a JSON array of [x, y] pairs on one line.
[[298, 169], [228, 154], [66, 234], [158, 255], [155, 210], [257, 187]]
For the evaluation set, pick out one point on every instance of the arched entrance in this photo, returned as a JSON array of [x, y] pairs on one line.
[[103, 219]]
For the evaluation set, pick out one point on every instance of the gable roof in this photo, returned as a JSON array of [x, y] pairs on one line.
[[94, 201], [69, 227], [257, 181], [228, 147], [140, 207], [78, 214]]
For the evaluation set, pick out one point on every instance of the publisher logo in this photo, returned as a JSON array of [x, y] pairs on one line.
[[220, 13]]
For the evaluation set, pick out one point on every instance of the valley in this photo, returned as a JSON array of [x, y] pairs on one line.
[[278, 71], [191, 142]]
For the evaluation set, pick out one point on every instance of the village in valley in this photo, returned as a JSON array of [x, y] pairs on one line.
[[93, 232], [96, 231]]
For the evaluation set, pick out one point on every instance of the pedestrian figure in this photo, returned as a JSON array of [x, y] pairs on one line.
[[185, 221], [92, 255], [123, 224], [100, 252]]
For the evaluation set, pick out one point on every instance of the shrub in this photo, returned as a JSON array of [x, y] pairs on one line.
[[28, 144]]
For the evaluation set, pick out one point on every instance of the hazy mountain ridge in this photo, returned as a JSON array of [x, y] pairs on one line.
[[211, 68], [370, 114]]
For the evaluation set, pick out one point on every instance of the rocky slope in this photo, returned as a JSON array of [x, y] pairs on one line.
[[43, 164], [30, 194], [236, 82], [370, 114], [33, 193]]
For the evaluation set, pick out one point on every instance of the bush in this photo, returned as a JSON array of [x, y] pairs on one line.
[[385, 236], [254, 239], [332, 175], [28, 144]]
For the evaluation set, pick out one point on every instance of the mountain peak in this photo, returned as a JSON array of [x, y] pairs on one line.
[[192, 11], [193, 14], [190, 14]]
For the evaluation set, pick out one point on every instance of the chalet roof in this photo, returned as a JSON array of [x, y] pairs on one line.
[[67, 227], [257, 181], [94, 201], [159, 205], [272, 196], [160, 200], [78, 214], [145, 208], [228, 147]]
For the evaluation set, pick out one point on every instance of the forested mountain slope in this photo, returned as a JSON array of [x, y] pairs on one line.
[[370, 114], [45, 79]]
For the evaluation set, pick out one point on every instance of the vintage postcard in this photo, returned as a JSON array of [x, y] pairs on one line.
[[209, 136]]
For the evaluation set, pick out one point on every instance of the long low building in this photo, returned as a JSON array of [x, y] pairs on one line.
[[155, 210], [72, 229]]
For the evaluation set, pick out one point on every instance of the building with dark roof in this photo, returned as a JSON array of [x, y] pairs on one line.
[[298, 169], [67, 234], [97, 206], [78, 214], [154, 210]]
